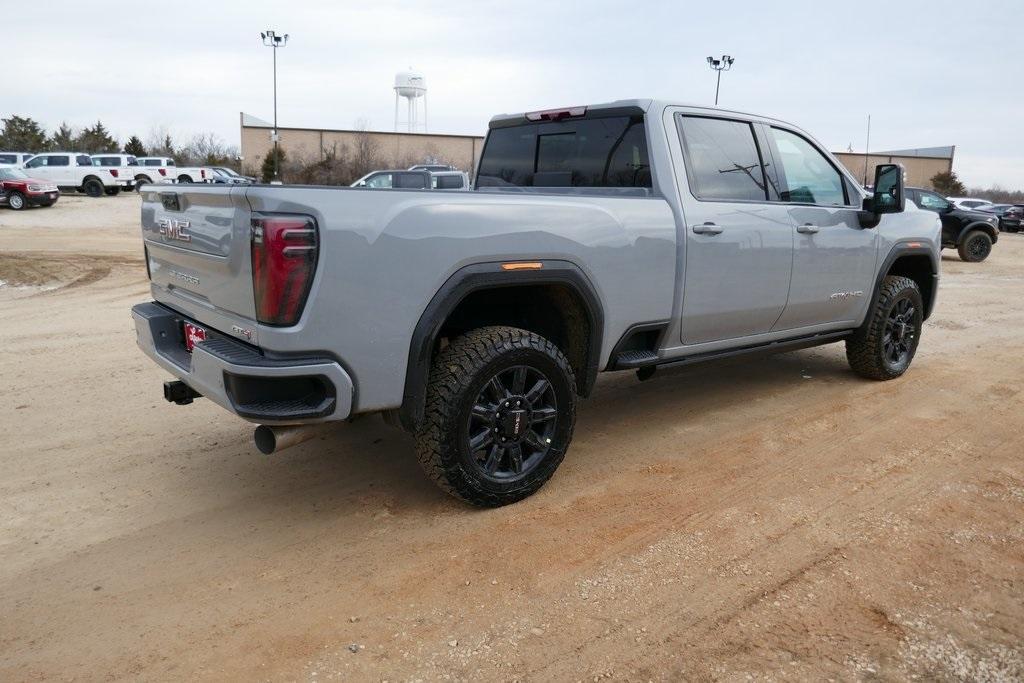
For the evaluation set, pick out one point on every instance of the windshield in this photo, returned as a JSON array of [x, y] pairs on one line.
[[12, 174], [598, 152]]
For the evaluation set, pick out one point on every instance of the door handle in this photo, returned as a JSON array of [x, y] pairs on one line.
[[807, 228], [708, 228]]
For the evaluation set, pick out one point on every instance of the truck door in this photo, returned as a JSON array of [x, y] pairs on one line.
[[833, 256], [48, 167], [739, 243]]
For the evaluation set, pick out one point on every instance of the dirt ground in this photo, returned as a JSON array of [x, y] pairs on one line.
[[775, 519]]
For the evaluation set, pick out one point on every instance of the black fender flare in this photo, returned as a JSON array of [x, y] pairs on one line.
[[899, 250], [987, 228], [480, 276]]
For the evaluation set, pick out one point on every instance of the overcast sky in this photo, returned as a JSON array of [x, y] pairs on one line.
[[929, 73]]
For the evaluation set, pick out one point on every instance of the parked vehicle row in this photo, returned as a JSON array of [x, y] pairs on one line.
[[1011, 216]]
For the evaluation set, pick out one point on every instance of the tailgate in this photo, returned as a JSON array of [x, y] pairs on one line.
[[198, 242]]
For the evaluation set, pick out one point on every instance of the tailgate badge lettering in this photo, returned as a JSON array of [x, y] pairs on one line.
[[237, 329], [175, 229]]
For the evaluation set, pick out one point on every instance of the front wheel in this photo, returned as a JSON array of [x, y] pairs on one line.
[[499, 415], [16, 201], [885, 344], [184, 179], [975, 246]]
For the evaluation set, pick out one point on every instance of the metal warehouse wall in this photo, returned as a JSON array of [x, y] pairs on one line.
[[462, 151], [919, 169]]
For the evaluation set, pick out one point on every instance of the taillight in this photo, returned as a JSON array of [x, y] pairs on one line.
[[163, 171], [556, 114], [113, 172], [202, 173], [284, 253]]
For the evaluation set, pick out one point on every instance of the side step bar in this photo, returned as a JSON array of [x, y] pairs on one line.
[[649, 361]]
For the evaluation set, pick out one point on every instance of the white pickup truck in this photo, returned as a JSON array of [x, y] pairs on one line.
[[166, 168], [73, 171], [127, 166]]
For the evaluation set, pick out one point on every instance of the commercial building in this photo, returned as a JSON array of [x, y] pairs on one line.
[[921, 164], [398, 149]]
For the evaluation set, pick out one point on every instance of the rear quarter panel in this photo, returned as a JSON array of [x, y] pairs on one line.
[[384, 254]]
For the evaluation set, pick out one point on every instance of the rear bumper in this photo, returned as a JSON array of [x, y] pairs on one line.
[[241, 379]]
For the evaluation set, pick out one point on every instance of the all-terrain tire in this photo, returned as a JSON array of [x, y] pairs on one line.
[[461, 380], [93, 187], [975, 246], [898, 312], [16, 201]]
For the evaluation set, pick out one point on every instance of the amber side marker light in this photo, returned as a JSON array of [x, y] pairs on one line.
[[522, 265]]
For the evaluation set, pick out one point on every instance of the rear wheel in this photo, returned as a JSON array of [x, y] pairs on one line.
[[975, 246], [16, 201], [500, 412], [885, 344], [93, 187]]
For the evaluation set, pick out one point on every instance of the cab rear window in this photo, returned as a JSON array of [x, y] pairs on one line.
[[596, 152]]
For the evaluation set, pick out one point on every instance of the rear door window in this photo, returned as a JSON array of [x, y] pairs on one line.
[[448, 182], [723, 160], [597, 152], [8, 158], [83, 160], [411, 181]]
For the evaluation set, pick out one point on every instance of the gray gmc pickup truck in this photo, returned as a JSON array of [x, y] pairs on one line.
[[632, 235]]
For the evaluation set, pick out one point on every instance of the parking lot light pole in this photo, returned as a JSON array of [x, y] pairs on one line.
[[720, 65], [271, 39]]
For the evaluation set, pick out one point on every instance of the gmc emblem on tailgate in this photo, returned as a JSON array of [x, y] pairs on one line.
[[175, 229]]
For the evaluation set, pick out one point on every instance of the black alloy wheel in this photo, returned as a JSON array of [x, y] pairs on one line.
[[900, 334], [512, 423]]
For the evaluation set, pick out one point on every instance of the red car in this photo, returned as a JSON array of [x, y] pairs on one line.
[[18, 190]]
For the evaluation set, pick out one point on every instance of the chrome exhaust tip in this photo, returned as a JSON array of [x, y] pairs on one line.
[[275, 439]]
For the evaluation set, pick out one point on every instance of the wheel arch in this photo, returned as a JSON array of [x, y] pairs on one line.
[[561, 304], [989, 229], [917, 262]]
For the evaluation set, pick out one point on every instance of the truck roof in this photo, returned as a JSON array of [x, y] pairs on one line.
[[644, 105]]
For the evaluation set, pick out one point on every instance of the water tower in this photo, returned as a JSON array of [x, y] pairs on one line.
[[413, 87]]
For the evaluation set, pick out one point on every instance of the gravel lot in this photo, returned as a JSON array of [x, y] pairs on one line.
[[777, 519]]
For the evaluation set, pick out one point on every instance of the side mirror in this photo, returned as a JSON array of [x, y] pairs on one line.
[[888, 197]]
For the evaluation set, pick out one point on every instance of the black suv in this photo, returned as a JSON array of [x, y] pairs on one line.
[[971, 233]]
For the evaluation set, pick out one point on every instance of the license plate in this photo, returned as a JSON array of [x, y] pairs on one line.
[[193, 335]]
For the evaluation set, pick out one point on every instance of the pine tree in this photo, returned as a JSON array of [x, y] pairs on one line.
[[134, 147], [64, 138], [946, 183], [96, 139], [23, 134], [267, 170]]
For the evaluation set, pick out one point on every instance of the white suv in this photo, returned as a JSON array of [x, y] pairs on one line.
[[73, 171], [969, 202]]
